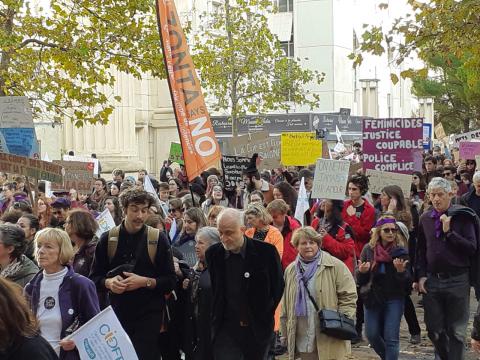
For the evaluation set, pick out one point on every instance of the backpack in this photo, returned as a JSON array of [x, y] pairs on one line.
[[152, 242]]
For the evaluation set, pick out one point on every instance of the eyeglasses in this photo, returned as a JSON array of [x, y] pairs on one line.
[[172, 210], [389, 230]]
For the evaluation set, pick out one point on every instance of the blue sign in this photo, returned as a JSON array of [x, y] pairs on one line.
[[427, 136]]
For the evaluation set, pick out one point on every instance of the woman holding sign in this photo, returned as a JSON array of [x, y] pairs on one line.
[[61, 299]]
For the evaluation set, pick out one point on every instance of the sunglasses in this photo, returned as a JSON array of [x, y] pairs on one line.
[[415, 177], [389, 230], [447, 174]]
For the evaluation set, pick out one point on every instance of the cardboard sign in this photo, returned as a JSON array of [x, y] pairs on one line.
[[37, 169], [84, 159], [379, 179], [475, 134], [300, 148], [354, 167], [103, 338], [330, 181], [394, 145], [268, 147], [468, 149], [233, 167], [439, 131], [176, 154], [78, 176]]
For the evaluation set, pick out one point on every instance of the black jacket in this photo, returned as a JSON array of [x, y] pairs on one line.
[[263, 287]]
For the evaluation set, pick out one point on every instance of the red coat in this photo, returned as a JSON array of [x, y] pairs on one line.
[[361, 226], [342, 246], [289, 252]]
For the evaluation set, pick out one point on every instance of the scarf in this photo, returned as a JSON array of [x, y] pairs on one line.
[[382, 255], [438, 223], [12, 269], [305, 271]]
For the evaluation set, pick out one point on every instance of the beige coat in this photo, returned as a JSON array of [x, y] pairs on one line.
[[336, 290]]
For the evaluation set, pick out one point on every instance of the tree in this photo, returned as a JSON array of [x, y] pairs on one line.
[[456, 107], [243, 67], [445, 35], [62, 57]]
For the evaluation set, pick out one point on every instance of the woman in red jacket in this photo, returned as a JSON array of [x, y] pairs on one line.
[[278, 209], [358, 212], [337, 235], [360, 215]]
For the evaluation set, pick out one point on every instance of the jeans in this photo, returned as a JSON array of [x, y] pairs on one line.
[[239, 346], [382, 326], [447, 303]]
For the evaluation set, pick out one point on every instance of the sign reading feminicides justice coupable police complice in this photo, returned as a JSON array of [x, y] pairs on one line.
[[394, 144]]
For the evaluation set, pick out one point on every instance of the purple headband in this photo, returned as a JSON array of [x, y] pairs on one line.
[[384, 221]]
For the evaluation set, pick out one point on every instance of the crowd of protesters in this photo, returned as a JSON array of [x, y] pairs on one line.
[[194, 271]]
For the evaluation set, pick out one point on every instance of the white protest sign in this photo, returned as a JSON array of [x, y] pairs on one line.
[[467, 136], [379, 179], [103, 338], [105, 222], [330, 181], [83, 159], [148, 186]]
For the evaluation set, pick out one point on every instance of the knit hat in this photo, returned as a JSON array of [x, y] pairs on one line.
[[252, 165], [404, 230]]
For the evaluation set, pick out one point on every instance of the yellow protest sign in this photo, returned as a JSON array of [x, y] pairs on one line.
[[300, 148]]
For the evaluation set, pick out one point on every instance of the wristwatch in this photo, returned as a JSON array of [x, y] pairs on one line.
[[149, 282]]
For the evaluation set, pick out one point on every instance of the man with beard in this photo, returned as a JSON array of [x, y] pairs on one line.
[[247, 285], [253, 181], [134, 263]]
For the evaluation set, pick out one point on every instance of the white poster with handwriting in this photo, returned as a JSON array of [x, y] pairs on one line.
[[330, 181]]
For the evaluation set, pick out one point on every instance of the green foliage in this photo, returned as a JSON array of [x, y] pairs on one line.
[[445, 35], [243, 66], [62, 57]]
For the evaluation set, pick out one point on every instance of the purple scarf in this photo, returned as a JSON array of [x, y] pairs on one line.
[[438, 223], [305, 271]]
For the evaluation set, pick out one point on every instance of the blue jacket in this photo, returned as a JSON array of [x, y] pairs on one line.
[[76, 293]]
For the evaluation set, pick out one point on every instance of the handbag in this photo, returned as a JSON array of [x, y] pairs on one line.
[[333, 323]]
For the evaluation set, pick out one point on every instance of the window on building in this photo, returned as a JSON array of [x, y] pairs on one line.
[[285, 5]]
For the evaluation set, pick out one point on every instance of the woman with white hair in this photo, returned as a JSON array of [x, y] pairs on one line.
[[199, 288]]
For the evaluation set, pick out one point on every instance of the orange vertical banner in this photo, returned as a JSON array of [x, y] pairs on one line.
[[199, 144]]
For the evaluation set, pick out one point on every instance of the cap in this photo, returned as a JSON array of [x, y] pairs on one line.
[[61, 203]]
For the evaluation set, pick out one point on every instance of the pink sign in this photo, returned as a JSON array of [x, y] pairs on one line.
[[393, 145], [468, 149]]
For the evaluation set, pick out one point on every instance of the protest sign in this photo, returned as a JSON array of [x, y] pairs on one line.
[[427, 136], [103, 338], [475, 134], [17, 132], [188, 251], [268, 147], [233, 167], [105, 222], [330, 180], [300, 148], [86, 159], [354, 167], [439, 131], [78, 175], [379, 179], [176, 154], [394, 145], [37, 169], [468, 149]]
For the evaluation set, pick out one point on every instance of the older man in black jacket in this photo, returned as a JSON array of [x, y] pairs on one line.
[[247, 284]]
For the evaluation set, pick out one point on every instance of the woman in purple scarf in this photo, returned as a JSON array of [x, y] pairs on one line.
[[384, 280], [331, 285]]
